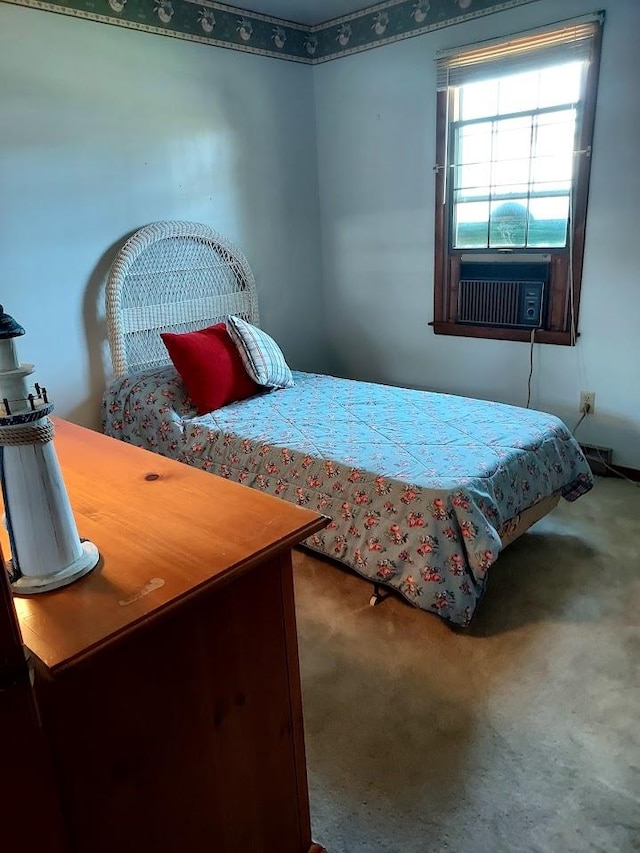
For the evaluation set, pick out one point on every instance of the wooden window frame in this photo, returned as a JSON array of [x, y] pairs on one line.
[[560, 326]]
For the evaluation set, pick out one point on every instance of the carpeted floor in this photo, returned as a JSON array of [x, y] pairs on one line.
[[520, 734]]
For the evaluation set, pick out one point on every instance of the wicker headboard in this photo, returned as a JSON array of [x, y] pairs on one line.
[[172, 276]]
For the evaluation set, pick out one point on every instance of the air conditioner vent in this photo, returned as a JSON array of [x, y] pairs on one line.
[[495, 295]]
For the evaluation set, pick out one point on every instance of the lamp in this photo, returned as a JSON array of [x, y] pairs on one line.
[[46, 551]]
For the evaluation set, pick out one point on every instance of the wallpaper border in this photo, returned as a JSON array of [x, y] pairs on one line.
[[396, 20], [183, 18], [231, 27]]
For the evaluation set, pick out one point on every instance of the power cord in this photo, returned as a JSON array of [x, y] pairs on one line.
[[533, 336], [601, 459], [615, 470], [587, 409]]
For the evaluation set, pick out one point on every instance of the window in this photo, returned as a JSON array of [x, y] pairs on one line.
[[514, 134]]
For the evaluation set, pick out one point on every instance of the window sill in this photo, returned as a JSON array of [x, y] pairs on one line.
[[541, 336]]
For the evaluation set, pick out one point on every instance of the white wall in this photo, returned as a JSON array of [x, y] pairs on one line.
[[376, 149], [103, 130]]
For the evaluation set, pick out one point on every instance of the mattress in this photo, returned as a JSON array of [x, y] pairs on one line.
[[421, 487]]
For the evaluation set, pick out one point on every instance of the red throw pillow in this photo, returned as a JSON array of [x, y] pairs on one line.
[[210, 366]]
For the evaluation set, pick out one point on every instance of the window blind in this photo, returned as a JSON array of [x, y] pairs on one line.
[[565, 42]]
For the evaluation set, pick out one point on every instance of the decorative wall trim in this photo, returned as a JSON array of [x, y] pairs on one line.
[[221, 25], [204, 22], [395, 20]]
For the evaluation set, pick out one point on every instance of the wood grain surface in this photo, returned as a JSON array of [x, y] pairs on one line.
[[164, 530], [26, 778], [167, 680]]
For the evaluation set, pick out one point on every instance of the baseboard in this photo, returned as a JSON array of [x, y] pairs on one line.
[[600, 459], [629, 473], [601, 462]]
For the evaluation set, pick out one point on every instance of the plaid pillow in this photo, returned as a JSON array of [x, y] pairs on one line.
[[260, 354]]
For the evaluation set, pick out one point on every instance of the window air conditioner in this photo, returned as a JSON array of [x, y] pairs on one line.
[[503, 290]]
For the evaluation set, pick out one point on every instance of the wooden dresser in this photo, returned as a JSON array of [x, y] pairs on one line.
[[167, 680]]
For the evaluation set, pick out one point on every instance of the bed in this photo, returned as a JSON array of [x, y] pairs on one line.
[[423, 489]]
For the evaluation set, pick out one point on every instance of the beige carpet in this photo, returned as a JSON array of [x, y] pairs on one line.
[[520, 734]]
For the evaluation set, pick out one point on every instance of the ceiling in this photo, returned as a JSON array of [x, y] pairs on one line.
[[304, 11]]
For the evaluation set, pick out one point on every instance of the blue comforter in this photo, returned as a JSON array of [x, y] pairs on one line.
[[418, 485]]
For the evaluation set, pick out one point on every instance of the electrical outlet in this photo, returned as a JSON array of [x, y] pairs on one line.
[[588, 402]]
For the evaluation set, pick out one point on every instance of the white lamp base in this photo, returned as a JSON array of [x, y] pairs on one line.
[[88, 560]]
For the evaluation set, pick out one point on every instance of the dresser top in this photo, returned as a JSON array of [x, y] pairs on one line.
[[165, 532]]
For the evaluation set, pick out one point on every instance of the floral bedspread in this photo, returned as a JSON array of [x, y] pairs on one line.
[[418, 485]]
